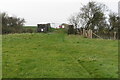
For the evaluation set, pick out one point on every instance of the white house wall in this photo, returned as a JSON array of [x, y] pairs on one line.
[[55, 25]]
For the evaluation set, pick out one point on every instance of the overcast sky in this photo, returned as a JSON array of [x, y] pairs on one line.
[[51, 11]]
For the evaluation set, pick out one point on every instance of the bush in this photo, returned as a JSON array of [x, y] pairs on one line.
[[11, 24]]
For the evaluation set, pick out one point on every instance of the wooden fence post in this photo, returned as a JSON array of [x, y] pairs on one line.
[[88, 33], [84, 32], [91, 34], [114, 35]]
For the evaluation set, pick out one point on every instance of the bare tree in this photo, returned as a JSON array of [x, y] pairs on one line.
[[93, 14], [74, 20]]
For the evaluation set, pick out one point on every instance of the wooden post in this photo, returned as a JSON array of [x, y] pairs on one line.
[[91, 34], [114, 35], [88, 33], [84, 32]]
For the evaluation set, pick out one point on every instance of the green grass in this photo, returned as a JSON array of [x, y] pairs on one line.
[[30, 26], [55, 55], [34, 28]]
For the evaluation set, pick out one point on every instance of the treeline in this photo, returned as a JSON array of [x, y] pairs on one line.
[[97, 17], [13, 24]]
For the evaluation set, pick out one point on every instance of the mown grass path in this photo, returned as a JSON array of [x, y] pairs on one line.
[[50, 56]]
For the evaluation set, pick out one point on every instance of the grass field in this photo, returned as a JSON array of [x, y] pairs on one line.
[[30, 27], [33, 28], [55, 55]]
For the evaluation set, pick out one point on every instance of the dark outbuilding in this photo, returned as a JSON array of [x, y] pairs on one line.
[[43, 27], [69, 28]]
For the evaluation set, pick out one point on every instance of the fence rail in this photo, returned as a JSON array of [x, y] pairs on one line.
[[91, 34]]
